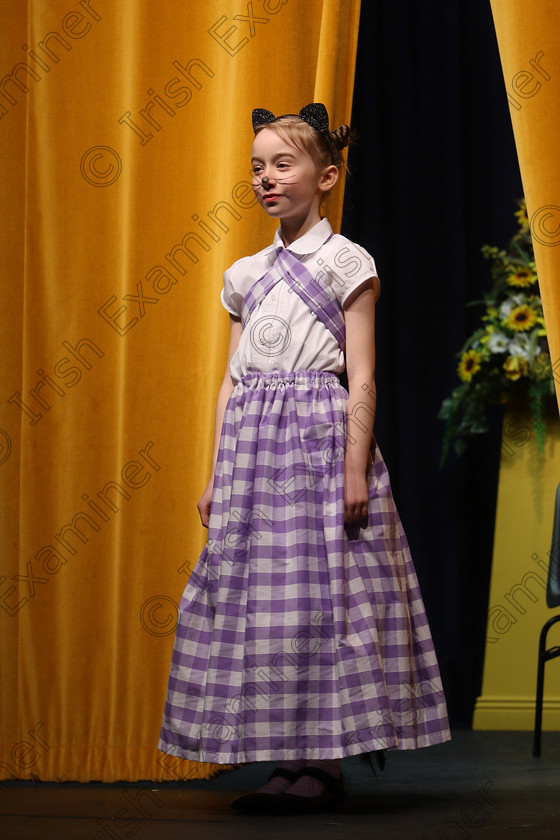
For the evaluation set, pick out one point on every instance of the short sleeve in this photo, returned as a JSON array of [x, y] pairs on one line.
[[347, 266], [231, 300]]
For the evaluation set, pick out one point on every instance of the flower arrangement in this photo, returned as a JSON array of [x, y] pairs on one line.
[[507, 356]]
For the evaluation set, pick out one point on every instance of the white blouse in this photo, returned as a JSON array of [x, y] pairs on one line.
[[282, 333]]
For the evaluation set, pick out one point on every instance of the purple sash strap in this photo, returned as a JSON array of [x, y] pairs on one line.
[[315, 296], [259, 290]]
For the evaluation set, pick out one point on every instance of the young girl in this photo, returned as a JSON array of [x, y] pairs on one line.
[[302, 636]]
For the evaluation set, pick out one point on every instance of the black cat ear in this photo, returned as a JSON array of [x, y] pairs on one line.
[[261, 116], [316, 115]]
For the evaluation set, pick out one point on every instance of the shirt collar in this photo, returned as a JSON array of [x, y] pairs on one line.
[[309, 242]]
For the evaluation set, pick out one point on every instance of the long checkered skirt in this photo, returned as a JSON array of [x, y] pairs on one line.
[[298, 637]]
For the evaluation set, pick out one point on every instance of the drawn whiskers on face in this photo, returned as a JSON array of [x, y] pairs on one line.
[[264, 183]]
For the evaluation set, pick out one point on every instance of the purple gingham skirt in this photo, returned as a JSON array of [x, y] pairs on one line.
[[298, 637]]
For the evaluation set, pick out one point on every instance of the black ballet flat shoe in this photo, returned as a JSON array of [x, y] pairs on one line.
[[333, 795], [260, 803]]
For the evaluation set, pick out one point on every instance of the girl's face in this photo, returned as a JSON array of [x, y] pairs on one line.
[[293, 187]]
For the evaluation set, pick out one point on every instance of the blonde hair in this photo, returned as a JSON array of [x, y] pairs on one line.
[[303, 136]]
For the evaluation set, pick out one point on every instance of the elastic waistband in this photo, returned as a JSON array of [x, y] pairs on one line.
[[282, 379]]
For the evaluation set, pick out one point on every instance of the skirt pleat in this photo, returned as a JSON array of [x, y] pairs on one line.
[[298, 637]]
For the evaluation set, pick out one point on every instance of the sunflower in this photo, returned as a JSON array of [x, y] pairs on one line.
[[522, 276], [469, 365], [521, 317], [515, 367]]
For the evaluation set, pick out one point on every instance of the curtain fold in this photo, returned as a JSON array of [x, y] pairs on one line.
[[529, 41], [334, 78], [125, 137]]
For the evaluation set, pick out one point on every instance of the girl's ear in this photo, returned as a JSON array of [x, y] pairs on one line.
[[329, 177]]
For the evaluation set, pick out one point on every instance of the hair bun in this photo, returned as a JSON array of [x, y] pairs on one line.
[[341, 137]]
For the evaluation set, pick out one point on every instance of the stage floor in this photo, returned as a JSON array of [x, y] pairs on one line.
[[478, 785]]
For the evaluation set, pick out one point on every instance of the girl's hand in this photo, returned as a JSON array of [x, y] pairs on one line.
[[356, 497], [204, 504]]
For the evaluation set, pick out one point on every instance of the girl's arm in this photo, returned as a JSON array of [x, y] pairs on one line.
[[224, 393], [360, 365], [226, 388]]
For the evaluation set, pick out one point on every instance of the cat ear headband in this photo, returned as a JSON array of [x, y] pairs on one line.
[[314, 115]]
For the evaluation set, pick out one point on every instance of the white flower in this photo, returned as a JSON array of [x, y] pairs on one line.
[[520, 346], [498, 342]]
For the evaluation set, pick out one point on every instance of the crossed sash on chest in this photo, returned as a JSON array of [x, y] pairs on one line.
[[317, 297]]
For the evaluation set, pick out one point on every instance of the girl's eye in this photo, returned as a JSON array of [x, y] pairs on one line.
[[257, 169]]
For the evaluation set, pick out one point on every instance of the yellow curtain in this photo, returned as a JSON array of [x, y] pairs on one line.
[[528, 38], [529, 42], [125, 144]]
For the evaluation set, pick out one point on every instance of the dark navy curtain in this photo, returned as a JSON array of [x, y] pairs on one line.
[[433, 177]]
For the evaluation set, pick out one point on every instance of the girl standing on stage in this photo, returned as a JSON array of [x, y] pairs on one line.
[[302, 636]]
